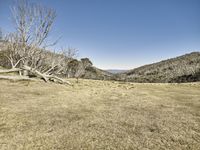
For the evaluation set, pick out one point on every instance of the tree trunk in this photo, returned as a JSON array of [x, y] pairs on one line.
[[16, 78], [10, 70], [45, 77], [35, 72], [25, 72]]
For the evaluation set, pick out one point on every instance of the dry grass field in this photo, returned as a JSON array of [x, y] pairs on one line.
[[99, 115]]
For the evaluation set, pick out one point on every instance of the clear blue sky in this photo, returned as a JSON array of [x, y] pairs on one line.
[[122, 34]]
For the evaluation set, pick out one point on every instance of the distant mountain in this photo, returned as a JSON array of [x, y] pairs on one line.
[[184, 68], [114, 71]]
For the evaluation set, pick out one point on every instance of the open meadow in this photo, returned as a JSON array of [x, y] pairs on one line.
[[99, 115]]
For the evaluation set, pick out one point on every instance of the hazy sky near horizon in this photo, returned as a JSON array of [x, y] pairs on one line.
[[122, 34]]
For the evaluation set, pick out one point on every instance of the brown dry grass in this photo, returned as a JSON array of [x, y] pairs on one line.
[[99, 115]]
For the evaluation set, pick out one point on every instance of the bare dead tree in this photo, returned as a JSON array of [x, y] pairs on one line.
[[33, 24], [12, 50], [26, 48], [67, 54]]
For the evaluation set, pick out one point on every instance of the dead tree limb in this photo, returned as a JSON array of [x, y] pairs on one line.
[[45, 77], [17, 78], [10, 70]]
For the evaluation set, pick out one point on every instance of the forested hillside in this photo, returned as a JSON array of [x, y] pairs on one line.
[[184, 68]]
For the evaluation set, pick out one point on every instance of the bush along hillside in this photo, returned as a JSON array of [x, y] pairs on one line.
[[71, 67], [84, 69], [184, 68]]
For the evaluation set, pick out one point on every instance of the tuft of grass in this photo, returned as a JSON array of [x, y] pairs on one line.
[[99, 115]]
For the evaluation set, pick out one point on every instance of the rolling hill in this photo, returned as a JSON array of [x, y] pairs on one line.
[[185, 68]]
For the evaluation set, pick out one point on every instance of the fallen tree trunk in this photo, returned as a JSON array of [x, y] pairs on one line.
[[17, 78], [35, 72], [58, 79], [10, 70], [44, 76]]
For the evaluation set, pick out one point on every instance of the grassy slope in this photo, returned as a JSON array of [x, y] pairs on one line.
[[99, 115]]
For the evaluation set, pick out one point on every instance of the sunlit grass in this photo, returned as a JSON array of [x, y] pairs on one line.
[[99, 115]]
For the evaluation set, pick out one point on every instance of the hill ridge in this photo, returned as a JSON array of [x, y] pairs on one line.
[[169, 70]]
